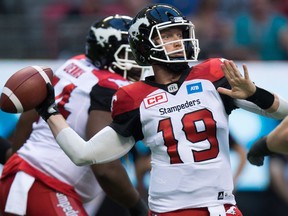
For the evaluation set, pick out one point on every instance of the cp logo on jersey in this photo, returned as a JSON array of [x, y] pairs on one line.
[[155, 99]]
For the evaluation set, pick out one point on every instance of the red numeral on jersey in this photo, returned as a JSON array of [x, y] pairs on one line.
[[169, 140], [193, 134], [64, 95]]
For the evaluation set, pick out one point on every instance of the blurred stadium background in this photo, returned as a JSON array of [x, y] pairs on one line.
[[47, 32]]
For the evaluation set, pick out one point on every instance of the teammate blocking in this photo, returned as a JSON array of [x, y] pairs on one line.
[[84, 86]]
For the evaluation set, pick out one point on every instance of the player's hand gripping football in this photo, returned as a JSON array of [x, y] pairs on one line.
[[241, 86], [258, 151], [48, 106]]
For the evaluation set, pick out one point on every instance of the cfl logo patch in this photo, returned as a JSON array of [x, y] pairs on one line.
[[155, 99]]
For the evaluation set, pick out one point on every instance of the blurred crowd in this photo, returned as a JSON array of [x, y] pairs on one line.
[[234, 29]]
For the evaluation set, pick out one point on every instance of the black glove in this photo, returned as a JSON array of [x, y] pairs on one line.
[[258, 151], [139, 209], [48, 106]]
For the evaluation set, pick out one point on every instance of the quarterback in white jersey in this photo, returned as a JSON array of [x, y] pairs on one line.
[[54, 185], [180, 113], [185, 124]]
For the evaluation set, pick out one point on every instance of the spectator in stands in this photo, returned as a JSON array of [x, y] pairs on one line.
[[212, 28], [232, 8], [106, 8], [282, 6], [261, 33]]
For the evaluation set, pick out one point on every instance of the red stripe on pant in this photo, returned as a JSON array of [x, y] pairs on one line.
[[43, 200]]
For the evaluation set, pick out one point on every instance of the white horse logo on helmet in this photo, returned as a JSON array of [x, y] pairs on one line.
[[102, 35], [134, 29]]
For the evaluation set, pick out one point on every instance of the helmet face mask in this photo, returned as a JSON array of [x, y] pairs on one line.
[[150, 23], [125, 61], [187, 41]]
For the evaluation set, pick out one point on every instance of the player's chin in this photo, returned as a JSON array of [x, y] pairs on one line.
[[177, 55]]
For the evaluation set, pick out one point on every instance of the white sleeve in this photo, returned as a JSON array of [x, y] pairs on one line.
[[105, 146], [280, 114]]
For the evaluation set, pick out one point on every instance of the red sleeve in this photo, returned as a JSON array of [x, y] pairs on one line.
[[110, 80], [101, 94], [121, 102], [209, 70], [130, 97]]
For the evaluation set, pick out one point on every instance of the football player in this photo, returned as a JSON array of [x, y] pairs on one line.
[[181, 113], [39, 179]]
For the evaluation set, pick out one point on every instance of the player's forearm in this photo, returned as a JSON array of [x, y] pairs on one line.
[[277, 140], [70, 142], [273, 105], [23, 129], [5, 150], [56, 124], [105, 146], [277, 110]]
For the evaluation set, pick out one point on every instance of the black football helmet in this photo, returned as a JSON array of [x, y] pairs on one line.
[[148, 24], [107, 45]]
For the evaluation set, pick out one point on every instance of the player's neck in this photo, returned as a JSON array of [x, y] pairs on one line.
[[164, 76]]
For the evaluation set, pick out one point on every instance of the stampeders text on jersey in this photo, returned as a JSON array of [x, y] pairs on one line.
[[178, 108]]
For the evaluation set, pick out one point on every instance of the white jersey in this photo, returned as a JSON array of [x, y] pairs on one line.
[[78, 89], [185, 124]]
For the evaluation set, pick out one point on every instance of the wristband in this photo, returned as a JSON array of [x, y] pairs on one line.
[[262, 98], [45, 114]]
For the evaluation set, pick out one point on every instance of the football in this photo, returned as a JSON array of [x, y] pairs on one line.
[[25, 89]]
